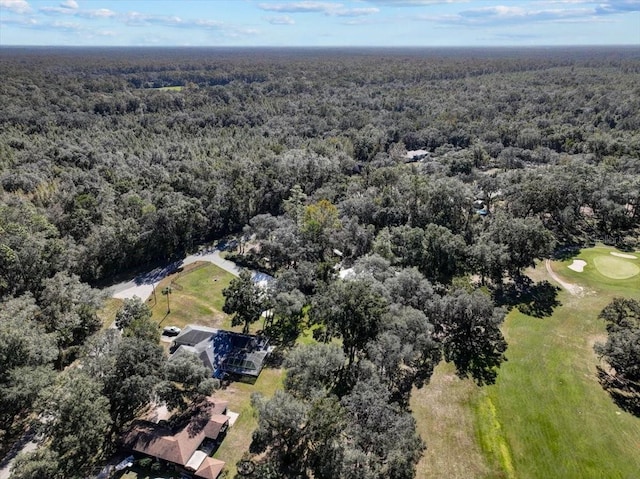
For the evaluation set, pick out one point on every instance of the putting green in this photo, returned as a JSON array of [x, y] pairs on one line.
[[614, 267]]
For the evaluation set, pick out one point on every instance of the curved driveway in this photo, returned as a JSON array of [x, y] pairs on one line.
[[142, 285]]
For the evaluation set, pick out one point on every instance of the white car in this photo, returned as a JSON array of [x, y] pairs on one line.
[[171, 331]]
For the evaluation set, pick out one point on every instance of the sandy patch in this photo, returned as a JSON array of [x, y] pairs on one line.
[[577, 265], [623, 255], [573, 289], [233, 417]]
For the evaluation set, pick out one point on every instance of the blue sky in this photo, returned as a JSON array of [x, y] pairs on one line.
[[319, 23]]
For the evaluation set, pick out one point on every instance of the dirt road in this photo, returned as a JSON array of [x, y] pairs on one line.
[[573, 289]]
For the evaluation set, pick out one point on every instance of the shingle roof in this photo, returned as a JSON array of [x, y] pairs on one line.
[[179, 446], [223, 351], [210, 468], [192, 335], [156, 441]]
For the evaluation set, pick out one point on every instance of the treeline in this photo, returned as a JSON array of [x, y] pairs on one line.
[[117, 175], [115, 159]]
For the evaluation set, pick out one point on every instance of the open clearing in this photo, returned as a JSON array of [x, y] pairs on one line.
[[195, 298], [445, 422], [550, 410], [547, 416]]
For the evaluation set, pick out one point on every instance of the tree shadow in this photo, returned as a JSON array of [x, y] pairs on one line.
[[283, 332], [624, 393], [533, 299], [565, 253]]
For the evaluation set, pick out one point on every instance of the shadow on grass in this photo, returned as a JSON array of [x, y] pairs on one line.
[[566, 252], [625, 394], [533, 299]]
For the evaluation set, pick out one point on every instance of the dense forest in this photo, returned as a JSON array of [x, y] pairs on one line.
[[116, 159]]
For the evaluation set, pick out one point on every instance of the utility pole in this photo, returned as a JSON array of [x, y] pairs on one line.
[[167, 292]]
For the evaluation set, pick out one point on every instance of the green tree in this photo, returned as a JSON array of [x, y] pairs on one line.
[[245, 300], [187, 381], [622, 352], [301, 437], [99, 353], [39, 464], [30, 247], [288, 313], [313, 370], [69, 308], [77, 422], [525, 239], [352, 311], [380, 438], [23, 341], [468, 327], [294, 205], [138, 367], [21, 390], [405, 352], [320, 221], [132, 309], [443, 254]]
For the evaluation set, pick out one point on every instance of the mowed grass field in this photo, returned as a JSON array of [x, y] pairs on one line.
[[547, 416], [196, 297]]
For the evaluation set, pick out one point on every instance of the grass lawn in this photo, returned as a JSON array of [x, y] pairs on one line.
[[239, 396], [107, 313], [445, 422], [196, 297], [547, 415]]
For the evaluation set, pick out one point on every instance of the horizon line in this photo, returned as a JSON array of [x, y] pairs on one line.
[[555, 45]]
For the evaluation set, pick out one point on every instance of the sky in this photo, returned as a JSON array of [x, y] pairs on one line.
[[388, 23]]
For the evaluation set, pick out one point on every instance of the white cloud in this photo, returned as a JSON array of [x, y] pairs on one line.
[[99, 13], [66, 26], [300, 7], [106, 33], [16, 6], [547, 11], [326, 8], [142, 19], [72, 4], [280, 20], [415, 3], [354, 12]]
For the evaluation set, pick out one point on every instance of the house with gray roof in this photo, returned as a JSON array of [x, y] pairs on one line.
[[223, 352]]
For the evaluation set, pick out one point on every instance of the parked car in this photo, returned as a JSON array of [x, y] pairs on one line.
[[171, 331]]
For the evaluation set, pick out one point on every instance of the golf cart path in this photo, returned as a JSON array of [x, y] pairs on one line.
[[142, 285], [573, 289]]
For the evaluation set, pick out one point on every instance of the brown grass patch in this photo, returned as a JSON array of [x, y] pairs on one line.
[[445, 422]]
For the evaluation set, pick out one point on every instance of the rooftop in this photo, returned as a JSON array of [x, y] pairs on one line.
[[180, 445], [223, 352]]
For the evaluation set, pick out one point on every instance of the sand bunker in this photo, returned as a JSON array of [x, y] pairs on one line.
[[578, 265], [623, 255]]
